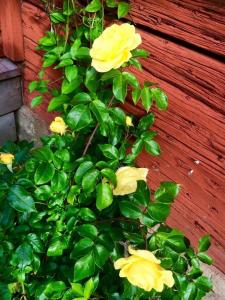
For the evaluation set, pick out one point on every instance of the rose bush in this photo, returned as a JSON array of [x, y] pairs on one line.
[[72, 209]]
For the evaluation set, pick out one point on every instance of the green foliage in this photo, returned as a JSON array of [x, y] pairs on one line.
[[61, 227]]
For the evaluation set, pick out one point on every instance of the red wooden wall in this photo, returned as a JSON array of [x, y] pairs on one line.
[[186, 40]]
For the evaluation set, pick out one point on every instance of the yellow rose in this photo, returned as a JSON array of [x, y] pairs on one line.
[[129, 121], [6, 158], [58, 126], [127, 178], [113, 47], [143, 269]]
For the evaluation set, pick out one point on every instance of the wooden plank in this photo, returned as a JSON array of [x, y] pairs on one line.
[[7, 128], [10, 95], [197, 22], [11, 27], [8, 69]]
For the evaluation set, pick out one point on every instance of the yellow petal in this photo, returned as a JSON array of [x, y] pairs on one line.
[[6, 158], [144, 254], [58, 126], [127, 178], [129, 121], [167, 278]]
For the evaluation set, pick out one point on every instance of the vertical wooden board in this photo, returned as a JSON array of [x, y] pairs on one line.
[[7, 128], [11, 28]]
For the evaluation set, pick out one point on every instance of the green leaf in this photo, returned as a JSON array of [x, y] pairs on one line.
[[136, 94], [74, 48], [79, 117], [131, 79], [146, 98], [82, 247], [205, 258], [167, 192], [84, 267], [89, 288], [68, 9], [81, 98], [20, 199], [159, 211], [160, 98], [100, 111], [119, 88], [54, 290], [63, 154], [204, 283], [101, 254], [123, 9], [57, 102], [70, 86], [110, 74], [140, 53], [91, 80], [71, 73], [43, 154], [33, 86], [23, 256], [87, 214], [111, 3], [89, 180], [110, 175], [146, 122], [104, 196], [109, 151], [82, 170], [176, 242], [190, 292], [129, 210], [64, 63], [204, 243], [35, 242], [44, 173], [195, 273], [119, 116], [36, 101], [87, 230], [57, 17], [77, 288], [93, 6], [152, 147], [59, 181], [83, 53], [56, 247]]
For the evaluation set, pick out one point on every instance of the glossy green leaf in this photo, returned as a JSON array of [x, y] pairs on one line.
[[205, 258], [44, 173], [146, 122], [87, 214], [91, 80], [110, 175], [36, 101], [160, 98], [131, 79], [119, 88], [57, 102], [204, 243], [93, 6], [204, 283], [71, 73], [152, 147], [55, 290], [82, 247], [20, 199], [59, 181], [82, 170], [123, 9], [90, 180], [146, 98], [23, 256], [84, 267], [79, 117], [109, 151], [159, 211], [104, 196], [129, 210], [101, 254], [87, 230], [70, 86], [167, 192]]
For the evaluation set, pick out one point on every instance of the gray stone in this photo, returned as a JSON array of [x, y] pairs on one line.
[[30, 126], [218, 279]]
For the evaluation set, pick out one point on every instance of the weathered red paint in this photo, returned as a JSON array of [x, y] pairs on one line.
[[11, 29], [191, 132]]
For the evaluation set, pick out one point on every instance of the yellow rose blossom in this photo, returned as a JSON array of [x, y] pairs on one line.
[[58, 126], [113, 47], [6, 158], [129, 121], [127, 178], [143, 269]]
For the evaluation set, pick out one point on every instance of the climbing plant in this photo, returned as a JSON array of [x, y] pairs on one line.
[[77, 218]]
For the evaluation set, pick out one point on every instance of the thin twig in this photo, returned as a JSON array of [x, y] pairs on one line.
[[94, 132]]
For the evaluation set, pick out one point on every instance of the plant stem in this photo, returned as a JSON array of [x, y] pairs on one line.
[[94, 131]]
